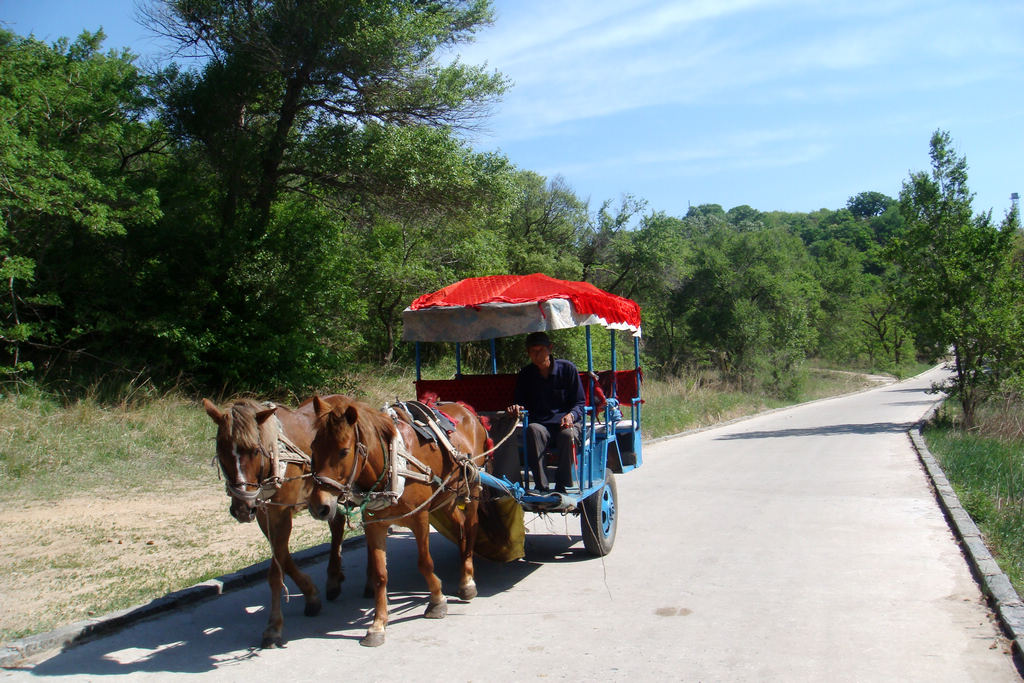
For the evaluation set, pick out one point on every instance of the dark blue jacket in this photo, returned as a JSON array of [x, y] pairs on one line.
[[548, 400]]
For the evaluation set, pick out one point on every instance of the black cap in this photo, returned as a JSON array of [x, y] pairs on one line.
[[537, 339]]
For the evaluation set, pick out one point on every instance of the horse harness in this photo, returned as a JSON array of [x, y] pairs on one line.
[[401, 465], [283, 453]]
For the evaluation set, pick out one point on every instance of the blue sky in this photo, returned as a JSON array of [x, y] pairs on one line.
[[780, 104]]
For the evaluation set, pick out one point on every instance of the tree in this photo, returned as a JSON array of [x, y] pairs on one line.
[[75, 136], [402, 249], [650, 263], [887, 340], [957, 280], [750, 304], [745, 218], [869, 204], [288, 86], [326, 123], [545, 227], [608, 245]]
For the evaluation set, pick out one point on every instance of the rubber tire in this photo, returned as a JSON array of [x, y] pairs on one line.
[[598, 518]]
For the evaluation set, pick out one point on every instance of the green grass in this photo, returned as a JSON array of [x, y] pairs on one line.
[[987, 474], [85, 445]]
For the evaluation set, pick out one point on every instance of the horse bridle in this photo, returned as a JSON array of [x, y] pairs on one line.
[[263, 490], [345, 492]]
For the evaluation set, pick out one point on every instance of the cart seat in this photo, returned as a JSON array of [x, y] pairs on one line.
[[621, 427]]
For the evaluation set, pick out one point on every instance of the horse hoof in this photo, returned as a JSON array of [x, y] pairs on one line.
[[333, 592], [313, 607], [270, 642], [372, 639], [468, 592], [436, 611]]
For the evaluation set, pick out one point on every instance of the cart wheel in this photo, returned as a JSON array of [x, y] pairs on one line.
[[598, 519]]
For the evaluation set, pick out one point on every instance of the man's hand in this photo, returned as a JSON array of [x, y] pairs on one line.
[[514, 410], [567, 421]]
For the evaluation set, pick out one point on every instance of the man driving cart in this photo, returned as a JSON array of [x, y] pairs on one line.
[[550, 390]]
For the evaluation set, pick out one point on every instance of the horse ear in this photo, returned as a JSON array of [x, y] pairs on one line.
[[320, 409], [212, 411], [351, 415], [262, 416]]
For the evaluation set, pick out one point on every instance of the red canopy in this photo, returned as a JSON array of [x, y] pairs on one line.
[[514, 289], [506, 305]]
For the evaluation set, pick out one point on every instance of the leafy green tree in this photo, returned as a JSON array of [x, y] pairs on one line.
[[401, 250], [288, 85], [887, 340], [324, 123], [838, 268], [744, 218], [546, 227], [608, 245], [652, 262], [957, 281], [750, 304], [75, 136], [713, 212], [866, 205], [647, 262]]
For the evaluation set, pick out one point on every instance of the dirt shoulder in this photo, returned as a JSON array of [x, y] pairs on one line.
[[74, 558]]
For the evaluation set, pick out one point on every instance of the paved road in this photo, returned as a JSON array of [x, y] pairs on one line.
[[802, 545]]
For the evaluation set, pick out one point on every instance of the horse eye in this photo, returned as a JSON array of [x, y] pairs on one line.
[[342, 452]]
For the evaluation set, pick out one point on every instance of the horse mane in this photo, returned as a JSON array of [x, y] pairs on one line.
[[242, 428], [380, 423]]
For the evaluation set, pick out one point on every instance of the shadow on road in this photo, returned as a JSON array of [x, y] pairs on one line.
[[214, 634], [826, 430]]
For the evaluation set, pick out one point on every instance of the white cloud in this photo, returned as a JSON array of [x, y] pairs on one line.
[[575, 61], [761, 148]]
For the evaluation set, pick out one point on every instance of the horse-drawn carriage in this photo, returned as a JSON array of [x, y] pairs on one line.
[[488, 308], [397, 465]]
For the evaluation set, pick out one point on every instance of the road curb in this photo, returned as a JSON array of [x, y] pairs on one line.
[[995, 585], [15, 653]]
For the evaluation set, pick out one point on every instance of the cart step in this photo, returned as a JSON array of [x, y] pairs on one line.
[[549, 502]]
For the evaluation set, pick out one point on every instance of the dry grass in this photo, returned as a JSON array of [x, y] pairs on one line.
[[46, 447], [1002, 418], [103, 507]]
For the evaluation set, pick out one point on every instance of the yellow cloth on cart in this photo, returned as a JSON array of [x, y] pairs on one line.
[[511, 515]]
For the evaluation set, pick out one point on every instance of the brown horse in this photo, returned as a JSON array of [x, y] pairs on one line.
[[353, 453], [252, 441]]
